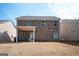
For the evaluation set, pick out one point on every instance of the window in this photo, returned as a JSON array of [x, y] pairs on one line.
[[55, 23], [43, 23], [29, 23], [55, 35], [11, 36]]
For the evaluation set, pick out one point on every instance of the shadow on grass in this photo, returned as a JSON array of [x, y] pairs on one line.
[[3, 54], [10, 42], [26, 42], [73, 43]]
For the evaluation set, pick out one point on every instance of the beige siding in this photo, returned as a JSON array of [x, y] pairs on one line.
[[42, 33], [9, 29], [69, 30]]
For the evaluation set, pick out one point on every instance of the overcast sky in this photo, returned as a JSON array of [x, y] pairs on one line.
[[62, 10]]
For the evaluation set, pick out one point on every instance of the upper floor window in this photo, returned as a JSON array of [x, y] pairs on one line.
[[43, 23], [29, 23], [55, 23]]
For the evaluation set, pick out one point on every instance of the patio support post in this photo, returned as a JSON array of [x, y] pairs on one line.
[[34, 35]]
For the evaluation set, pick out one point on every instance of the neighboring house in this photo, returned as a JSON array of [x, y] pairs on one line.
[[69, 30], [38, 28], [7, 31]]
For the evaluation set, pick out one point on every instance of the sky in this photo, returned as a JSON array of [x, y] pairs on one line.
[[10, 11]]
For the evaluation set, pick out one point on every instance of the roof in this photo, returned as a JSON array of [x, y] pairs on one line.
[[1, 31], [69, 21], [26, 28], [4, 21], [38, 18]]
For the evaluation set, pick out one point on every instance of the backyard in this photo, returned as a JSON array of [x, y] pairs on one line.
[[40, 48]]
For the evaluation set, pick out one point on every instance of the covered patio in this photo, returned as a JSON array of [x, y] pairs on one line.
[[25, 33]]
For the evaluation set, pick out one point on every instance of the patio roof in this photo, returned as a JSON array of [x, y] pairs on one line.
[[26, 28]]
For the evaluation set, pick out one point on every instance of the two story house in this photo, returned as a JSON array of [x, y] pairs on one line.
[[37, 28]]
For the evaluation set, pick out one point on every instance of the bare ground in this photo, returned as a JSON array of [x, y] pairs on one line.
[[40, 49]]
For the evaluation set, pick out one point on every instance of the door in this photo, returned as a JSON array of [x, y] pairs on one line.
[[31, 37]]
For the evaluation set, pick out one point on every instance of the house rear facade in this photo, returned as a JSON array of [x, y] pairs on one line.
[[37, 28]]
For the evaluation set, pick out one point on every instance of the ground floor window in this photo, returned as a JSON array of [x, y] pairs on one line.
[[55, 35]]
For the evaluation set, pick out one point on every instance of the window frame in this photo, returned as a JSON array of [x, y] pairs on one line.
[[28, 23], [55, 23], [43, 23]]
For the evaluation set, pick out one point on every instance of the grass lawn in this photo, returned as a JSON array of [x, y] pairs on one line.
[[40, 48]]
